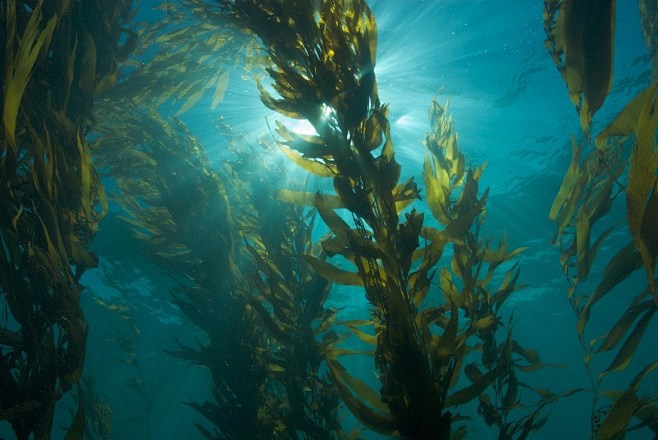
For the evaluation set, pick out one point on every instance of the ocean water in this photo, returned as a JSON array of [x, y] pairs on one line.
[[487, 59]]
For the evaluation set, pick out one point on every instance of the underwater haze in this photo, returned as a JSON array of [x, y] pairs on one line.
[[238, 260]]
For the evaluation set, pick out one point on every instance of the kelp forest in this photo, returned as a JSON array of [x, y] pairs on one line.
[[95, 105]]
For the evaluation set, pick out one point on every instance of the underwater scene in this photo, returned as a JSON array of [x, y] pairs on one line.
[[328, 219]]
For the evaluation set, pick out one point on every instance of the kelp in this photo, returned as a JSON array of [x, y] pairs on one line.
[[323, 57], [289, 295], [51, 198], [580, 36], [623, 162], [183, 58], [191, 237]]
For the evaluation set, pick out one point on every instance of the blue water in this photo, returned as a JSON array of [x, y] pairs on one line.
[[511, 109]]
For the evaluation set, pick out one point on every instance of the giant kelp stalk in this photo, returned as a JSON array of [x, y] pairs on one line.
[[290, 300], [324, 57], [623, 162], [55, 57]]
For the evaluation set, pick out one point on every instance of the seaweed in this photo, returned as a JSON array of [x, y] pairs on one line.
[[54, 60], [323, 56], [623, 162]]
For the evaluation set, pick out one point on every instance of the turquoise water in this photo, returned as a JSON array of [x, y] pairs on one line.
[[512, 111]]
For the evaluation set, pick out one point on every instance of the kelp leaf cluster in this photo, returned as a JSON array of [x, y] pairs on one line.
[[323, 71], [624, 151], [53, 60]]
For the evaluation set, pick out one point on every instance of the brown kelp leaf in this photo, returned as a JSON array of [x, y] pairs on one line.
[[622, 326], [620, 266], [626, 120], [617, 420], [308, 199], [472, 391], [380, 420], [627, 350], [332, 273], [365, 337], [19, 67], [319, 168], [586, 41], [570, 178], [642, 184]]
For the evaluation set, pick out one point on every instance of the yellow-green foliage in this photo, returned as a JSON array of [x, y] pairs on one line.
[[51, 199], [586, 196]]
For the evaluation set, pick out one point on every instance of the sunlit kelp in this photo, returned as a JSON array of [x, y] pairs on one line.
[[324, 56], [55, 58], [623, 162]]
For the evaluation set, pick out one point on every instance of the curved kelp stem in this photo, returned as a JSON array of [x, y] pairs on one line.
[[56, 58], [324, 56], [622, 162]]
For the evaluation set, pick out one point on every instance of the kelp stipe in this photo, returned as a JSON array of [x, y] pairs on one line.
[[324, 57], [51, 199], [625, 151]]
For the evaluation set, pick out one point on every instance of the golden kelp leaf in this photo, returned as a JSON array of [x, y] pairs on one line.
[[472, 391], [627, 350], [626, 121], [622, 325], [332, 273], [582, 244], [308, 199], [220, 90], [586, 40], [437, 188], [19, 67], [617, 420], [446, 345], [642, 182], [620, 266], [484, 323], [564, 193], [365, 337], [322, 169]]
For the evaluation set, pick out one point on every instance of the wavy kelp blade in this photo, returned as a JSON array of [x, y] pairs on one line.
[[308, 198], [626, 121], [620, 266], [641, 199], [624, 408], [622, 326], [627, 350], [580, 42], [20, 66], [332, 273]]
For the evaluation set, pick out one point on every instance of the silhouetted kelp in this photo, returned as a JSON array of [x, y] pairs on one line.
[[625, 151], [56, 56]]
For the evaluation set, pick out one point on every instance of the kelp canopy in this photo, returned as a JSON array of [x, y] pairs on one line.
[[248, 268]]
